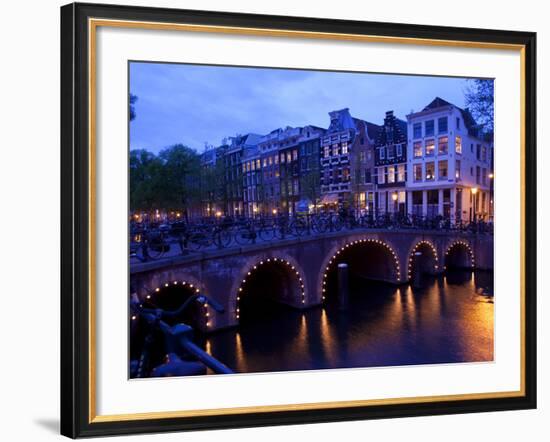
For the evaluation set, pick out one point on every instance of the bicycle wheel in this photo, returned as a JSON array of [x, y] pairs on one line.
[[223, 238], [266, 233], [197, 240], [244, 235], [319, 225], [298, 227]]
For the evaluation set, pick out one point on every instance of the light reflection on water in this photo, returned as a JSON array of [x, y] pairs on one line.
[[449, 320]]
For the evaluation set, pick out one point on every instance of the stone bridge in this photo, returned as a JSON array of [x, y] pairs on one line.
[[299, 272]]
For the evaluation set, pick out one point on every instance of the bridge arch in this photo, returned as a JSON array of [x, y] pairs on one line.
[[393, 270], [171, 293], [281, 277], [426, 262], [459, 253]]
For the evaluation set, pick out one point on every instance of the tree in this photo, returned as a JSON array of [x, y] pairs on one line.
[[145, 180], [479, 96], [132, 100], [181, 176]]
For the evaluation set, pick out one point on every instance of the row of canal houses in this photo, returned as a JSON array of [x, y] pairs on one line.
[[438, 162]]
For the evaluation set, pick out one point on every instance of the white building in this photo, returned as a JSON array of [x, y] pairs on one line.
[[449, 164]]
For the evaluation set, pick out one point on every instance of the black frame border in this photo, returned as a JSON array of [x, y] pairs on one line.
[[75, 220]]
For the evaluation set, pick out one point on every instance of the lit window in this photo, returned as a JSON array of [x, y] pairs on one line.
[[442, 170], [391, 151], [443, 145], [270, 161], [457, 169], [381, 176], [417, 146], [327, 152], [391, 174], [288, 157], [458, 144], [401, 173], [344, 148], [430, 171], [295, 154], [430, 147]]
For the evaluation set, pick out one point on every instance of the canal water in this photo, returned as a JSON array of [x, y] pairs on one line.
[[448, 320]]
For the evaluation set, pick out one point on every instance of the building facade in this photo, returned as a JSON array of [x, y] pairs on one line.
[[346, 170], [391, 166], [233, 154], [449, 168]]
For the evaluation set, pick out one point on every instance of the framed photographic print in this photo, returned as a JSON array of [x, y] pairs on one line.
[[275, 220]]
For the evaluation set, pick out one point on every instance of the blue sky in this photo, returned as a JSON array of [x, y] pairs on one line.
[[194, 104]]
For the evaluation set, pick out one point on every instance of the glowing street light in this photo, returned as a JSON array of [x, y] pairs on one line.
[[394, 196]]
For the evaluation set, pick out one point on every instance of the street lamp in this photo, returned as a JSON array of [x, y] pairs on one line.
[[394, 198]]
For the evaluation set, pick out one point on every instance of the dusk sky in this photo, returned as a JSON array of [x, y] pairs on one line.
[[193, 104]]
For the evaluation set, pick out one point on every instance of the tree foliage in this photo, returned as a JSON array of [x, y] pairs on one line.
[[132, 106], [480, 95], [170, 179]]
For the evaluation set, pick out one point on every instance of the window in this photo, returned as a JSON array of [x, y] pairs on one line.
[[335, 149], [443, 145], [282, 158], [382, 153], [270, 161], [417, 130], [296, 189], [295, 154], [483, 153], [457, 170], [430, 171], [417, 170], [401, 173], [478, 151], [442, 125], [391, 174], [244, 167], [265, 162], [430, 147], [442, 170], [484, 176], [429, 128], [276, 159], [391, 151], [288, 157], [345, 175], [417, 147], [458, 144], [362, 157], [381, 176], [327, 152], [457, 123], [368, 177], [478, 174], [399, 150], [258, 164], [344, 148]]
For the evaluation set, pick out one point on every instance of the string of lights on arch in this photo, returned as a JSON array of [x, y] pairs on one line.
[[262, 263], [460, 242], [185, 284], [416, 247], [352, 243]]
